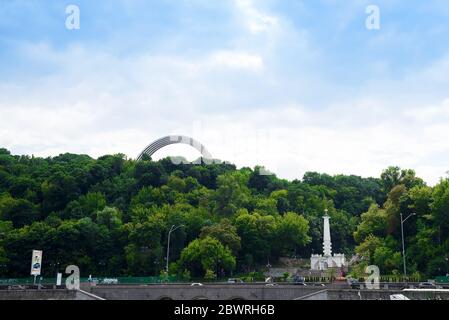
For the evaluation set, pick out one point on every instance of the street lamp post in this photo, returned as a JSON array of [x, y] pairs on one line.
[[403, 243], [173, 228]]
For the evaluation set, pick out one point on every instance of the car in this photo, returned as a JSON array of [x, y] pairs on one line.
[[16, 287], [354, 283], [318, 285], [300, 284], [426, 285], [272, 284], [196, 284], [398, 297], [299, 280], [235, 280], [110, 281]]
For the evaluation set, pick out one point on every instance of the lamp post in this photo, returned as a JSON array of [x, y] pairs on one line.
[[403, 244], [173, 228]]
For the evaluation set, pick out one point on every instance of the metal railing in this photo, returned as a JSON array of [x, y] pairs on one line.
[[99, 280]]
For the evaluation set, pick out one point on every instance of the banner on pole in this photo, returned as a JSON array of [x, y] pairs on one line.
[[59, 279], [36, 263]]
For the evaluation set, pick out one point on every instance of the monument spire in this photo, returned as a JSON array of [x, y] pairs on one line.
[[327, 244], [327, 260]]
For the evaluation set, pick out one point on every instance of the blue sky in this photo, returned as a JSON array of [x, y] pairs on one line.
[[293, 85]]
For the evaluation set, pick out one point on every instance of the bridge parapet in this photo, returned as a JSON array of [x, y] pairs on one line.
[[209, 292]]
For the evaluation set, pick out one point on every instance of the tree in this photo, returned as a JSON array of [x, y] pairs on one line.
[[421, 198], [110, 218], [206, 254], [210, 275], [85, 206], [291, 232], [440, 208], [150, 173], [257, 233], [111, 215], [393, 176], [58, 191], [386, 259], [21, 212], [225, 232], [374, 223], [368, 247], [281, 198], [5, 228], [231, 194], [259, 181], [343, 225]]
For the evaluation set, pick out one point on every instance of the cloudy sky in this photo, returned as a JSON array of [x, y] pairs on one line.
[[292, 85]]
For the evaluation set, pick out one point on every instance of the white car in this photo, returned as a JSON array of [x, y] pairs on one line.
[[195, 284], [398, 297], [110, 281], [271, 284]]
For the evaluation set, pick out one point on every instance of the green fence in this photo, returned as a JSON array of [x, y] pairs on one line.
[[442, 279]]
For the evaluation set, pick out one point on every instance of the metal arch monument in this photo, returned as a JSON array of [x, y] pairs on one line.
[[168, 140]]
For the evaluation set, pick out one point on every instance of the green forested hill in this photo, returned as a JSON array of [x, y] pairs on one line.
[[111, 216]]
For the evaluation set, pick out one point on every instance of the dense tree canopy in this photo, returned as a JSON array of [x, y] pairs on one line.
[[111, 216]]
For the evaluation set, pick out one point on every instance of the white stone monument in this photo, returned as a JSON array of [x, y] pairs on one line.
[[327, 260]]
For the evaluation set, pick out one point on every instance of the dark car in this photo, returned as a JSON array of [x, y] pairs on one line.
[[235, 280], [300, 284], [299, 280], [354, 283]]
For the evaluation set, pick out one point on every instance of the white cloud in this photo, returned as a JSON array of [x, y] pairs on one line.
[[236, 60], [254, 19], [100, 104], [439, 113], [245, 97]]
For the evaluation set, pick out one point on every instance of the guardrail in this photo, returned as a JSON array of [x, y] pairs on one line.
[[99, 280]]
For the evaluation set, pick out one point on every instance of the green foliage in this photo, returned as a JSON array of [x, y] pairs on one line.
[[225, 232], [394, 176], [373, 222], [111, 216], [291, 232], [231, 194], [440, 207], [206, 254], [186, 275], [210, 275], [84, 206], [257, 233], [368, 247], [19, 211]]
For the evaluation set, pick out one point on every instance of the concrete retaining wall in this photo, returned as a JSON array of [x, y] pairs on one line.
[[210, 292], [383, 295], [47, 294]]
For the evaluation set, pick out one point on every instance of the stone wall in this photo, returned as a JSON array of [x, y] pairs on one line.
[[34, 294], [383, 295], [211, 292]]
